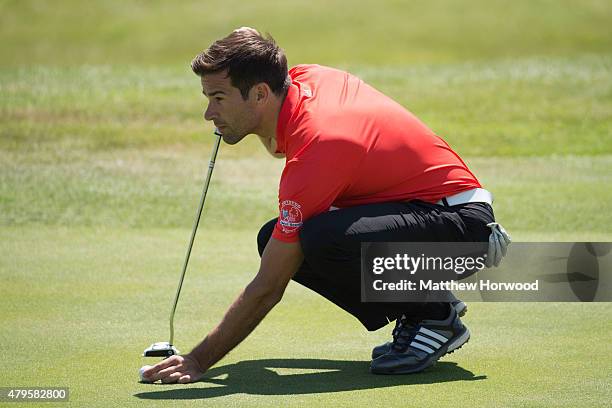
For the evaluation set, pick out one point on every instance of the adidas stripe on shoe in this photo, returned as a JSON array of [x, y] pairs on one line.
[[417, 347], [460, 308]]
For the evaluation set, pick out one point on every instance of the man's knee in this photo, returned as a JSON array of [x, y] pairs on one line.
[[264, 235]]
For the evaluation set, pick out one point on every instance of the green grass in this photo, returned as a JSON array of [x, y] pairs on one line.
[[103, 151], [155, 188], [331, 32], [510, 107], [97, 297]]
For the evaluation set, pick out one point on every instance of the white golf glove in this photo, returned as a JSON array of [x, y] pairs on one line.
[[498, 244]]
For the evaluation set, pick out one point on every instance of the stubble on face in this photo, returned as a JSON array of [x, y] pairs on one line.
[[232, 115]]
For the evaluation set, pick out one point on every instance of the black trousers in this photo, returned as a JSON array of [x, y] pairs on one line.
[[331, 243]]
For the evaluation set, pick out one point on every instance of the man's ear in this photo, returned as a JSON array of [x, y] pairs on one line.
[[262, 92]]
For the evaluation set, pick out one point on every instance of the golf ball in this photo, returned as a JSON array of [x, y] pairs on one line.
[[141, 373]]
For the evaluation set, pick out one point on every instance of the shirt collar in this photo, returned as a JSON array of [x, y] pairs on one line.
[[288, 107]]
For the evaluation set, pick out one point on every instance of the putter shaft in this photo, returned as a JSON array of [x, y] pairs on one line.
[[211, 166]]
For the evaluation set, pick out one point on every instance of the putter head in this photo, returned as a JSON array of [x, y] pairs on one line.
[[160, 349]]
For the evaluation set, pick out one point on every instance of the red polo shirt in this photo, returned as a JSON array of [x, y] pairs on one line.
[[347, 144]]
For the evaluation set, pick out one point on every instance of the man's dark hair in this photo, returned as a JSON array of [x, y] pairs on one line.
[[249, 59]]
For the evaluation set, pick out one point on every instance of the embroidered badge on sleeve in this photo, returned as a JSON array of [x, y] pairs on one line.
[[290, 216]]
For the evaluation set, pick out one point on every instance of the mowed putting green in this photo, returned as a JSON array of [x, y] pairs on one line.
[[103, 153], [82, 304]]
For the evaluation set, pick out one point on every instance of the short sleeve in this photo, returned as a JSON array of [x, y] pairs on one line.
[[311, 181]]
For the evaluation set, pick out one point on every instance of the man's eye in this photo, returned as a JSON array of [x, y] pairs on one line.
[[218, 99]]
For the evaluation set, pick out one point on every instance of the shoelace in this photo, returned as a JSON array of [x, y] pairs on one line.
[[403, 333]]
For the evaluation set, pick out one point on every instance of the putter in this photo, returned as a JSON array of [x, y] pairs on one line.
[[167, 349]]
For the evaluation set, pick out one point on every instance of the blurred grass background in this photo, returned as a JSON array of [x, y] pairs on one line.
[[334, 32], [103, 151]]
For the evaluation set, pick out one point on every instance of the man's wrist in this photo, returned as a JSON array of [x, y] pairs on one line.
[[199, 358]]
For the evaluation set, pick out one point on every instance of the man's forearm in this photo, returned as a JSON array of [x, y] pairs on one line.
[[279, 263], [242, 317]]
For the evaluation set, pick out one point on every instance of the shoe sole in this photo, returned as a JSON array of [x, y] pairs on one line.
[[457, 344]]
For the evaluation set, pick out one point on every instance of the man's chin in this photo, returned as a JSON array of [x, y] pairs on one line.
[[231, 139]]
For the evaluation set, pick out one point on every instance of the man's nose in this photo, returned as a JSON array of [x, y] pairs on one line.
[[209, 114]]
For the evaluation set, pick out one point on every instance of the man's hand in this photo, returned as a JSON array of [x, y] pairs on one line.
[[182, 369]]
